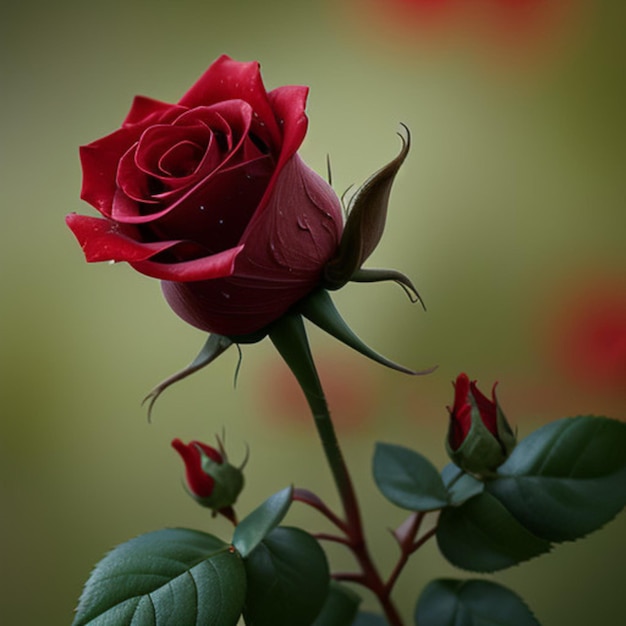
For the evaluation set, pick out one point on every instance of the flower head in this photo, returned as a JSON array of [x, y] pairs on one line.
[[209, 196], [210, 479], [479, 436]]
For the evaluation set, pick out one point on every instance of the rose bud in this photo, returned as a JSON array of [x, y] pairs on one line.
[[211, 480], [209, 196], [479, 436]]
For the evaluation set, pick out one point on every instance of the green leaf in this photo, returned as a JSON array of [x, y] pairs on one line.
[[167, 577], [340, 607], [408, 479], [449, 602], [369, 619], [288, 580], [482, 536], [256, 526], [566, 479], [460, 485]]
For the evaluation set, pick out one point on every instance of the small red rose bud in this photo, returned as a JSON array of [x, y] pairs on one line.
[[479, 436], [211, 480]]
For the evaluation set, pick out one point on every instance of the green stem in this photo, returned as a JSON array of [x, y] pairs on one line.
[[289, 337]]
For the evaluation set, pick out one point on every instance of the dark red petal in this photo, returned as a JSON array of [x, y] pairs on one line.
[[288, 104], [143, 108], [158, 140], [486, 408], [285, 250], [212, 453], [217, 211], [100, 161], [461, 391], [200, 483], [102, 240], [132, 183], [460, 413], [207, 268], [231, 80]]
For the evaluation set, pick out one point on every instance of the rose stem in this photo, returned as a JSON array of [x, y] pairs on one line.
[[290, 339]]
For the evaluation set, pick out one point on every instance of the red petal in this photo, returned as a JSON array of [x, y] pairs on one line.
[[206, 268], [99, 161], [285, 250], [102, 240], [212, 453], [461, 413], [143, 107], [288, 104], [200, 483], [231, 80]]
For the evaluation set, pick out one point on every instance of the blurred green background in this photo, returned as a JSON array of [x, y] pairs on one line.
[[508, 215]]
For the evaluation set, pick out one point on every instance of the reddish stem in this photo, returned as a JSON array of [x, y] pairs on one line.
[[308, 497]]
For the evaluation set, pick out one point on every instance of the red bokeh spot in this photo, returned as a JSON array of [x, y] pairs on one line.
[[500, 30], [589, 335], [350, 387]]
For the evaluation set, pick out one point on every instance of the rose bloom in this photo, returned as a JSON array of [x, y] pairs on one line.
[[209, 196]]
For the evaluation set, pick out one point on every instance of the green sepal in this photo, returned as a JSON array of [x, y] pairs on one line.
[[320, 309], [506, 435], [288, 579], [170, 576], [229, 482], [256, 526], [367, 214], [481, 452], [215, 345], [340, 607], [377, 275], [566, 479], [482, 536], [450, 602], [408, 479]]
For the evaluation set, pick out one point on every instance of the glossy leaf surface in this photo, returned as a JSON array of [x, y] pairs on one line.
[[288, 580], [567, 478], [163, 578], [482, 536], [449, 602], [408, 479], [256, 526]]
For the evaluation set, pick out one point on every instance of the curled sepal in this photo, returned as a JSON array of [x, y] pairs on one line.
[[367, 213], [376, 275], [214, 346], [320, 309]]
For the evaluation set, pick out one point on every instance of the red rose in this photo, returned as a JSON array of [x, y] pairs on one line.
[[209, 196], [479, 436], [211, 480]]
